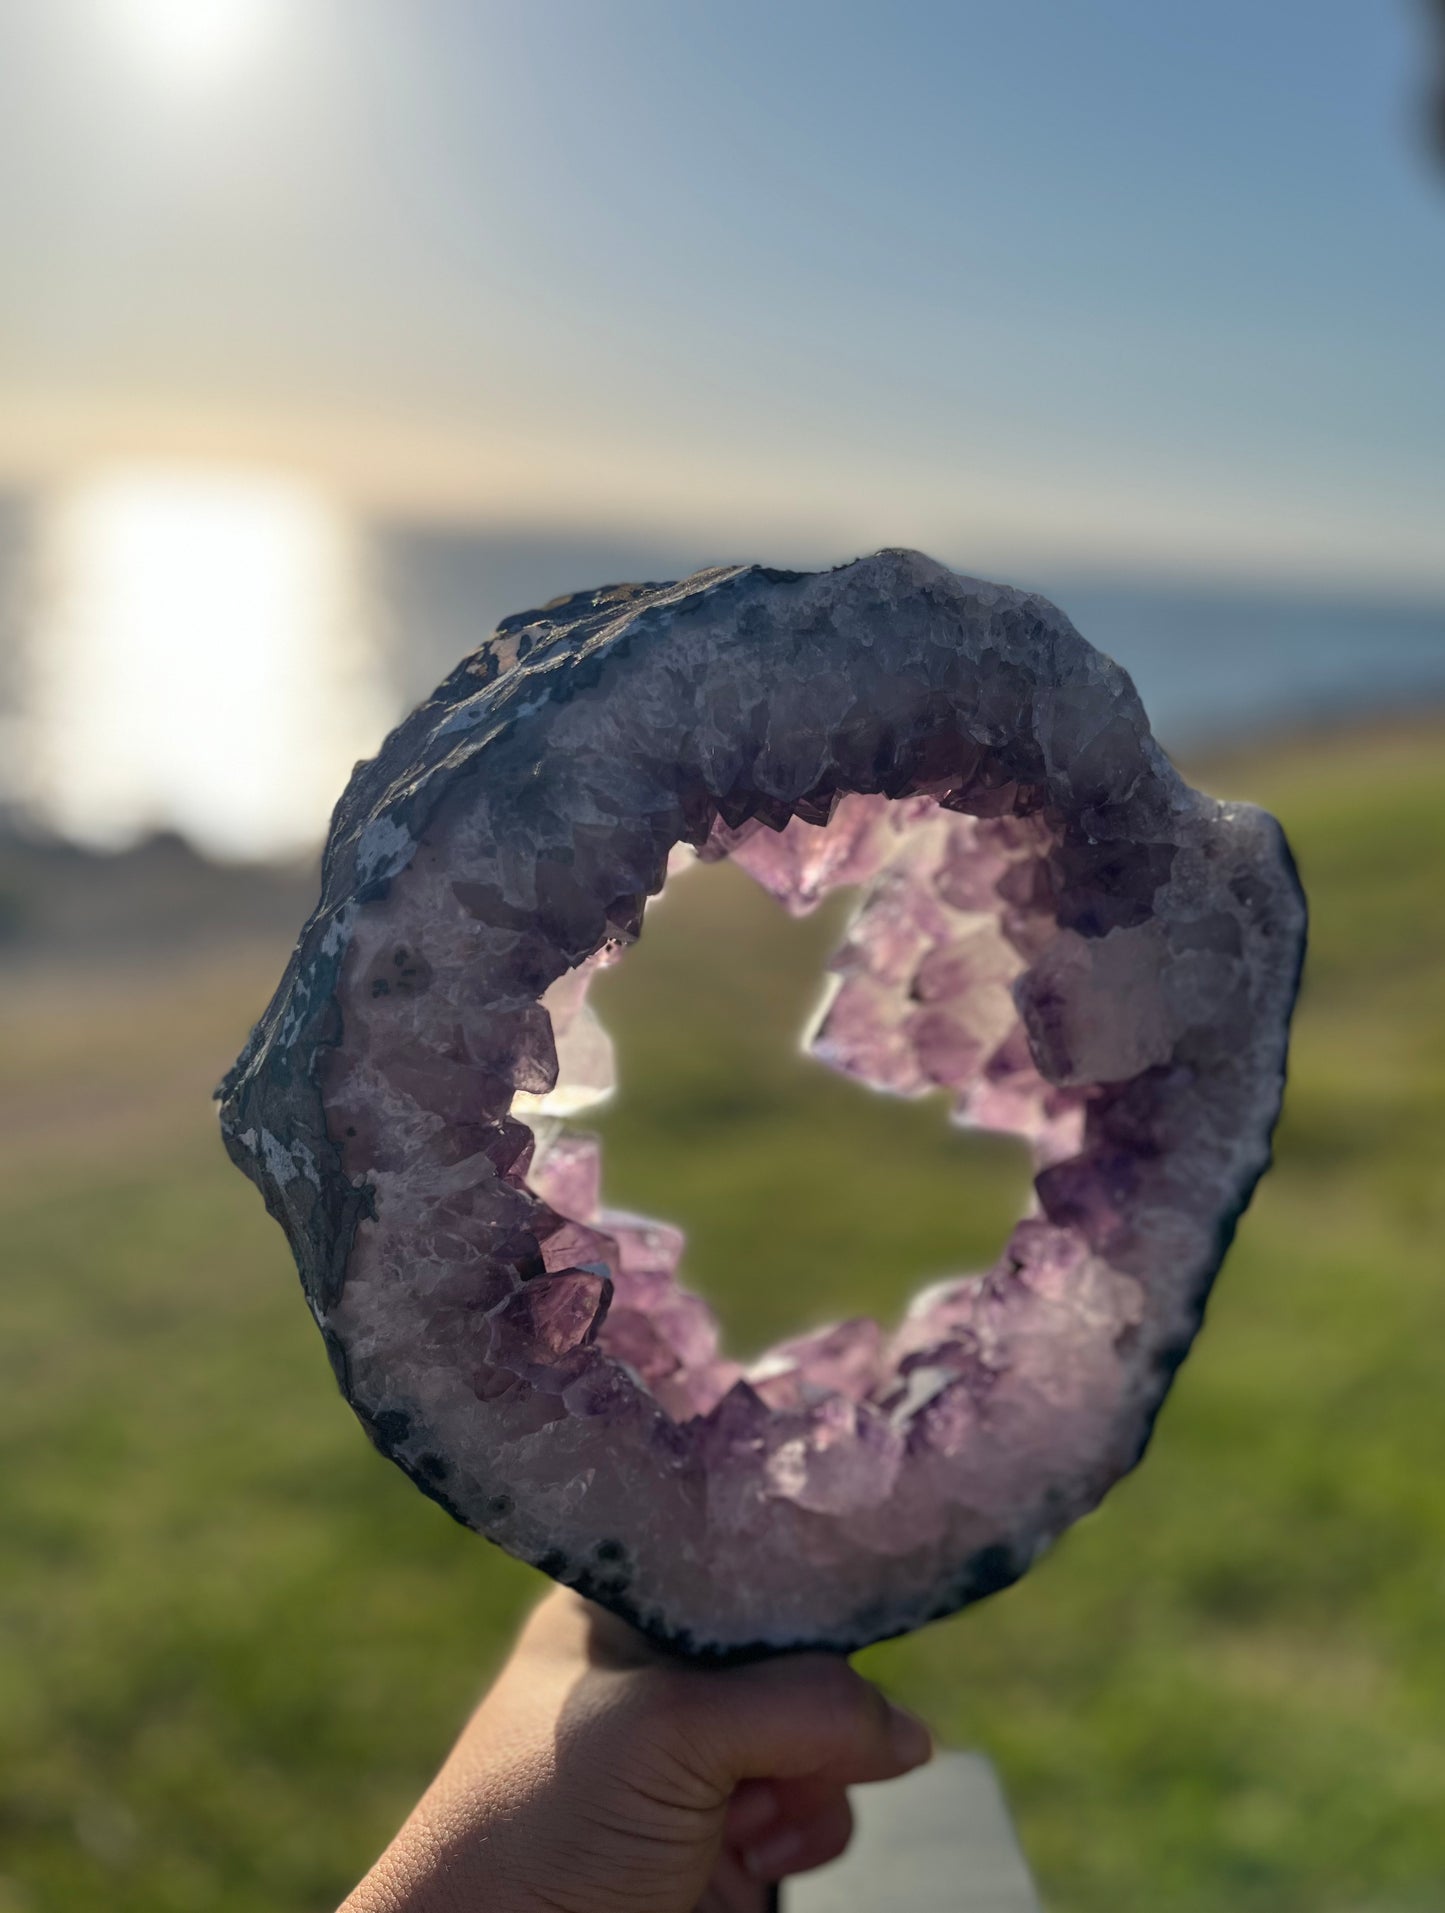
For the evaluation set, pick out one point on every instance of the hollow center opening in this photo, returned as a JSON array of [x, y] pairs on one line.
[[806, 1197]]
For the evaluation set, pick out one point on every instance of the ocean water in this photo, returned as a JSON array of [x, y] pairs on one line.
[[1216, 664], [211, 657], [1210, 662]]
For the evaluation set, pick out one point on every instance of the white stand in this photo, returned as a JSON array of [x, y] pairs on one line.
[[938, 1841]]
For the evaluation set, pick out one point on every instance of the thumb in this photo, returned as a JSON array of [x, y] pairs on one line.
[[802, 1716]]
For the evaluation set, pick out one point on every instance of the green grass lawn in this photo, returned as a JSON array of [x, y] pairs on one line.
[[233, 1641]]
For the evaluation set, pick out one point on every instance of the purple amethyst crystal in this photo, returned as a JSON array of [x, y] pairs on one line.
[[1053, 928]]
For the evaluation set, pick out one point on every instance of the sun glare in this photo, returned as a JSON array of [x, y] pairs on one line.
[[201, 662], [193, 41]]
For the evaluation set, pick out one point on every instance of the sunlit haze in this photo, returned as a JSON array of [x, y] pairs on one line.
[[1126, 286], [189, 43], [199, 662], [500, 298]]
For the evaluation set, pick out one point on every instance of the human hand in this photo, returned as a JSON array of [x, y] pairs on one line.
[[597, 1775]]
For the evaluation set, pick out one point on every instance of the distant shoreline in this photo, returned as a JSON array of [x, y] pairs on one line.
[[1380, 729]]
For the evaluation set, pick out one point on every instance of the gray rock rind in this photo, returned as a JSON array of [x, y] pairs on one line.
[[1158, 938]]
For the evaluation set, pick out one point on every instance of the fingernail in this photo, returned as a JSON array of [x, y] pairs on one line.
[[750, 1811], [770, 1859], [911, 1741]]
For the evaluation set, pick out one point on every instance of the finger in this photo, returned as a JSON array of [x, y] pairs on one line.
[[732, 1889], [799, 1800], [564, 1622], [801, 1715], [798, 1846], [759, 1807], [565, 1627], [754, 1807], [558, 1624]]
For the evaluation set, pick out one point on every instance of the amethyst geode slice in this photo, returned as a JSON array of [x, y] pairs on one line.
[[1053, 928]]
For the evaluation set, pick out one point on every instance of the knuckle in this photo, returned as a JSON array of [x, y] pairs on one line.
[[658, 1706], [684, 1716]]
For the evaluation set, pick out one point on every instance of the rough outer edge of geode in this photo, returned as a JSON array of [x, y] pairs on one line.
[[274, 1121]]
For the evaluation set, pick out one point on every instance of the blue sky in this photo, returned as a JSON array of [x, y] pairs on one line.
[[1086, 282]]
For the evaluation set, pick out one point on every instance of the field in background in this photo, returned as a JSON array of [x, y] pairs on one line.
[[233, 1642]]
